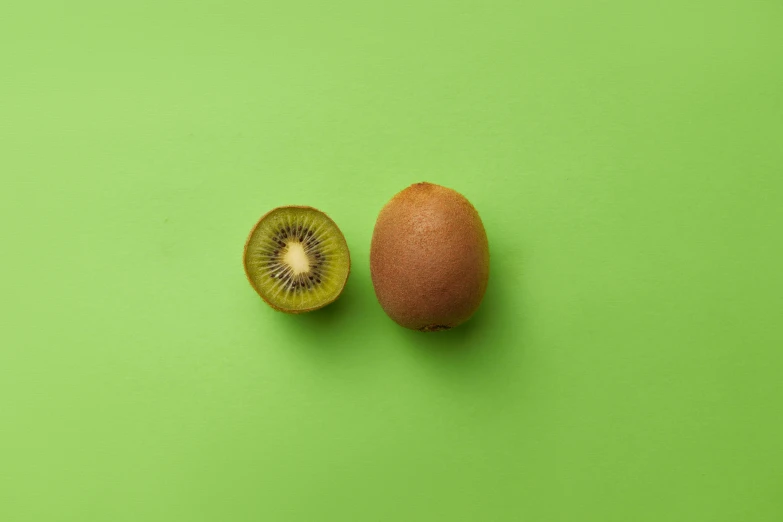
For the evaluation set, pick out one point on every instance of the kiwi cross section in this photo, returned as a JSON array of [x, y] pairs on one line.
[[297, 259]]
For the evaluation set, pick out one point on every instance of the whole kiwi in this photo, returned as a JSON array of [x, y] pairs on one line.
[[429, 258]]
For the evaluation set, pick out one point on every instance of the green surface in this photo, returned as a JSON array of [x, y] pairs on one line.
[[627, 161]]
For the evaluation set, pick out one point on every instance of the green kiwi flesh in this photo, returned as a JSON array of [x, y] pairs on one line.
[[297, 259]]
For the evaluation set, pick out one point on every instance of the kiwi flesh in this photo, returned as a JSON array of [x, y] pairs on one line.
[[297, 259], [429, 258]]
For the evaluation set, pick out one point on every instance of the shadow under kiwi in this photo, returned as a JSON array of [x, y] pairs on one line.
[[324, 330], [484, 346]]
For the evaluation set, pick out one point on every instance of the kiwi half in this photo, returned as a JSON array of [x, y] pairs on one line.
[[297, 259]]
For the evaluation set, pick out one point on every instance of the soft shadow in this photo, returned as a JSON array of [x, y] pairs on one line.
[[327, 316], [331, 330], [490, 345]]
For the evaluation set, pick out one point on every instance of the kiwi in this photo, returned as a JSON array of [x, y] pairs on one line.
[[429, 258], [297, 259]]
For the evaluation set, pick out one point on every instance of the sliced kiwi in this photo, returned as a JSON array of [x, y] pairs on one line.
[[297, 259]]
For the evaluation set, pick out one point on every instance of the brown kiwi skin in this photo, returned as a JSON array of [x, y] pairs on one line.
[[429, 258], [250, 280]]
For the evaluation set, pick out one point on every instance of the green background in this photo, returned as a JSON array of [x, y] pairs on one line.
[[626, 158]]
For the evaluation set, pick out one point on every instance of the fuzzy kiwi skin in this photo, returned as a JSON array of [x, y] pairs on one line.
[[250, 279], [429, 258]]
